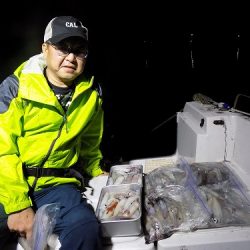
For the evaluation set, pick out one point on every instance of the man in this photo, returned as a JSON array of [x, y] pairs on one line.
[[51, 126]]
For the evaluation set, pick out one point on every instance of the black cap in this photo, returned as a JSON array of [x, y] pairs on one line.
[[63, 27]]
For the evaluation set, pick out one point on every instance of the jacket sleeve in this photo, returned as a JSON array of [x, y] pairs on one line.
[[13, 187], [90, 153]]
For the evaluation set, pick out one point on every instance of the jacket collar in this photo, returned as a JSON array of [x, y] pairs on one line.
[[34, 86]]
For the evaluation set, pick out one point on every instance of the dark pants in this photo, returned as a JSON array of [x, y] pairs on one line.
[[76, 223]]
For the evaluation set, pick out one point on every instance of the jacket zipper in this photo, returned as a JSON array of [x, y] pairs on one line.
[[50, 149]]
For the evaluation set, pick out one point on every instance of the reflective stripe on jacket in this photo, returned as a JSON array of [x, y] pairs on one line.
[[30, 119]]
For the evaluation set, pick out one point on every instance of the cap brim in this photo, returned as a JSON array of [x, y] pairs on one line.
[[59, 38]]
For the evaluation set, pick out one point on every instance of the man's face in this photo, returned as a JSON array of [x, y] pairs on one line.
[[65, 60]]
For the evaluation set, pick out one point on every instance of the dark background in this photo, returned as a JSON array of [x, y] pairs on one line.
[[141, 55]]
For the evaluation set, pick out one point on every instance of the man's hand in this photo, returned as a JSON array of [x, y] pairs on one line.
[[22, 222], [104, 173]]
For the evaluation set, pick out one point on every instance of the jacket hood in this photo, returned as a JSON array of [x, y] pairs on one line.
[[34, 65]]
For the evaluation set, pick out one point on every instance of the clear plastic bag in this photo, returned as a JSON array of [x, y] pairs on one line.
[[223, 194], [171, 203], [44, 224]]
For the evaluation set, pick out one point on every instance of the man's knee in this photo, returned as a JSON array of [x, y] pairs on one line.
[[84, 236], [91, 229]]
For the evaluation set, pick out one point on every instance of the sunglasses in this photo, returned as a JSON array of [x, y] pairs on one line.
[[63, 50]]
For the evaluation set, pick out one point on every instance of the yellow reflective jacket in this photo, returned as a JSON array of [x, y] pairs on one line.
[[30, 120]]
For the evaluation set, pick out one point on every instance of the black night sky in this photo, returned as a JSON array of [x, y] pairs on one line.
[[150, 59]]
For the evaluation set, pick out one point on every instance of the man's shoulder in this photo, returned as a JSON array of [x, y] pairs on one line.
[[97, 87], [10, 83], [8, 91], [94, 84]]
